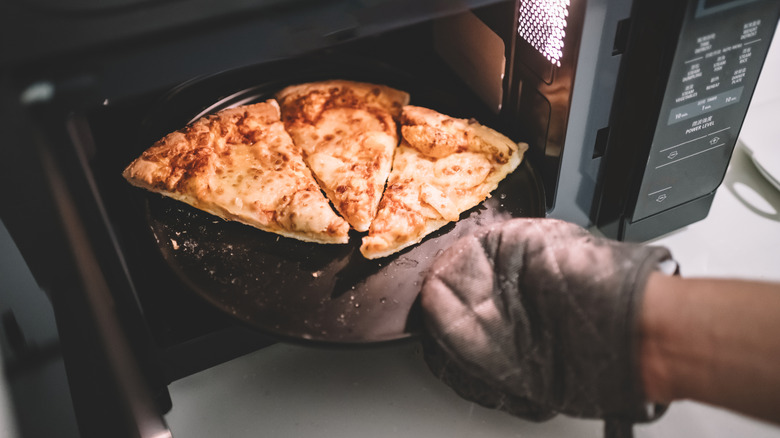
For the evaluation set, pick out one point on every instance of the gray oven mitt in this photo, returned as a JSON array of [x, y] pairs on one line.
[[538, 317]]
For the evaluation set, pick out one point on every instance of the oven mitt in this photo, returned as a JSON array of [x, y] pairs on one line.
[[538, 317]]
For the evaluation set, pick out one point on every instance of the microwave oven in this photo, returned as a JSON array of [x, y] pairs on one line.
[[631, 109]]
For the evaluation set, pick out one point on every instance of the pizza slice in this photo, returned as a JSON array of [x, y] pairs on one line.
[[348, 135], [443, 167], [240, 164]]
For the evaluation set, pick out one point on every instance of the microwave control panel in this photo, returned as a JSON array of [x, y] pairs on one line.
[[722, 47]]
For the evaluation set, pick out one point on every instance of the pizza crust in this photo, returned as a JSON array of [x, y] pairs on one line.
[[240, 164]]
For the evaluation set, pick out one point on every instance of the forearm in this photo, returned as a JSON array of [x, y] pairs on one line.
[[714, 341]]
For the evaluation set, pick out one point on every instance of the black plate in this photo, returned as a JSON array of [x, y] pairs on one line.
[[304, 291]]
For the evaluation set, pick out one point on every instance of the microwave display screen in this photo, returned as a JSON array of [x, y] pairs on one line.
[[713, 3], [706, 7], [542, 24]]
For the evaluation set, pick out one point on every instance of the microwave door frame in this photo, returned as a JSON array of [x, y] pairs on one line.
[[112, 393], [652, 36]]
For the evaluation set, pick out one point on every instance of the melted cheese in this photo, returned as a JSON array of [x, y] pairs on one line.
[[328, 169], [462, 170], [444, 167], [348, 134], [439, 201]]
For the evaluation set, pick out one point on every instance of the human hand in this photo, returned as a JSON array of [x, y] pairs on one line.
[[538, 317]]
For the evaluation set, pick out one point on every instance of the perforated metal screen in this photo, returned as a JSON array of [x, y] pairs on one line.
[[542, 23]]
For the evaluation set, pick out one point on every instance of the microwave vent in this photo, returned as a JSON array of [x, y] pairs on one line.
[[542, 24]]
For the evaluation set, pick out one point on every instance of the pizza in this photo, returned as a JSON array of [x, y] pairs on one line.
[[443, 167], [285, 164], [240, 164], [348, 135]]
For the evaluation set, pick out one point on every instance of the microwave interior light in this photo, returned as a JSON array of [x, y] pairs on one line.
[[542, 24]]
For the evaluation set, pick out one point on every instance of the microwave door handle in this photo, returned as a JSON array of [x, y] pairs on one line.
[[618, 428]]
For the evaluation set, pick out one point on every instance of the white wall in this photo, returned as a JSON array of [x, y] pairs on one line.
[[769, 83]]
